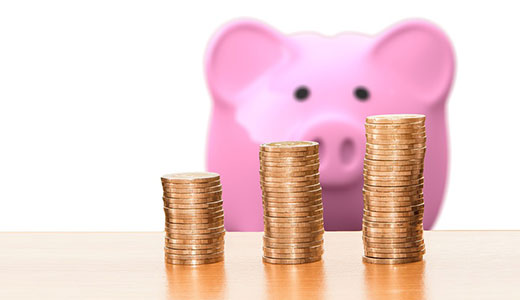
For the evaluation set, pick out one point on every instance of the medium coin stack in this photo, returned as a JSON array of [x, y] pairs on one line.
[[293, 211], [392, 192], [194, 218]]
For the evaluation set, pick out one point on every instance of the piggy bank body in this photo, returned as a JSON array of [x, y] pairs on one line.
[[267, 87]]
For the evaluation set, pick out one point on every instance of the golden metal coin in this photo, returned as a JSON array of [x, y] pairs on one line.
[[306, 188], [179, 236], [292, 163], [290, 261], [413, 135], [302, 240], [390, 261], [190, 185], [291, 194], [410, 188], [289, 146], [207, 241], [293, 255], [389, 126], [374, 208], [291, 179], [195, 220], [418, 163], [309, 209], [169, 200], [388, 168], [391, 224], [194, 231], [268, 242], [392, 240], [265, 174], [305, 219], [421, 141], [391, 234], [381, 183], [316, 234], [391, 157], [396, 119], [215, 245], [394, 146], [268, 230], [393, 255], [407, 229], [395, 204], [197, 256], [292, 154], [393, 219], [289, 159], [307, 250], [391, 246], [213, 204], [190, 177], [193, 252], [193, 261], [392, 178], [302, 214], [290, 205], [412, 130], [211, 195], [396, 152], [193, 213], [417, 212], [289, 184], [192, 190], [421, 247]]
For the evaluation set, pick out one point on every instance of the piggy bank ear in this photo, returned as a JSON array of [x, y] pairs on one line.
[[239, 54], [419, 57]]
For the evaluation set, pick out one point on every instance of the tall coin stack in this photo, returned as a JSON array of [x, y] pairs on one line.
[[194, 218], [293, 211], [392, 192]]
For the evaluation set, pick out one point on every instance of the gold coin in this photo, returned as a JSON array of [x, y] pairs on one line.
[[190, 177], [378, 146], [395, 250], [194, 206], [302, 153], [195, 225], [194, 231], [306, 188], [406, 229], [192, 190], [193, 252], [316, 234], [291, 179], [289, 184], [292, 163], [380, 183], [415, 194], [417, 212], [391, 157], [289, 146], [295, 261], [301, 240], [396, 152], [372, 207], [212, 195], [289, 169], [289, 159], [195, 220], [415, 188], [317, 213], [414, 168], [264, 174], [292, 255], [389, 261], [392, 246], [378, 234], [290, 205], [389, 126], [194, 261], [269, 243], [404, 136], [412, 130], [374, 254], [392, 178], [317, 216], [311, 249], [417, 163], [191, 213], [392, 204], [215, 245], [292, 199], [309, 208], [420, 141], [198, 256], [391, 224], [396, 119], [206, 241], [385, 240], [179, 236], [291, 194], [190, 185], [393, 219], [417, 172], [269, 230], [395, 201]]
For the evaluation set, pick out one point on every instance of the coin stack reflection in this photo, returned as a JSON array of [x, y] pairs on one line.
[[293, 211], [194, 218], [392, 191]]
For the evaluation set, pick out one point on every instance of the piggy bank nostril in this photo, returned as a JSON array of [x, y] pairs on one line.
[[346, 153]]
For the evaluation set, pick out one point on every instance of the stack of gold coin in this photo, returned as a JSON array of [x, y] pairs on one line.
[[194, 218], [293, 211], [392, 191]]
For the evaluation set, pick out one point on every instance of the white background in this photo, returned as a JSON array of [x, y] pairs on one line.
[[100, 98]]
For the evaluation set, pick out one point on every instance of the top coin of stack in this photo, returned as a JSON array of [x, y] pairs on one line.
[[194, 218], [293, 211], [392, 192]]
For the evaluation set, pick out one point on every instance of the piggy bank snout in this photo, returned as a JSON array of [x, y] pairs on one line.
[[341, 150]]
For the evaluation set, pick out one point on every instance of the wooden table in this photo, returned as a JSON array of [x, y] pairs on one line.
[[458, 265]]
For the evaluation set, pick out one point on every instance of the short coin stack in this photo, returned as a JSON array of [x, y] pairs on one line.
[[393, 198], [293, 211], [194, 218]]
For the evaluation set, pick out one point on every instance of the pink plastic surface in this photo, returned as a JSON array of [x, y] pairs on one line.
[[253, 72]]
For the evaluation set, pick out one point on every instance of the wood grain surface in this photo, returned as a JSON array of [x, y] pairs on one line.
[[457, 265]]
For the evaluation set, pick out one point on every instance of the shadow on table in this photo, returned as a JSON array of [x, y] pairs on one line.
[[405, 281], [196, 282]]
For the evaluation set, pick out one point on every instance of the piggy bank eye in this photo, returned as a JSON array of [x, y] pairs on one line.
[[361, 93], [302, 93]]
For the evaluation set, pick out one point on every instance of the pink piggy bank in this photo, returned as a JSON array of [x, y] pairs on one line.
[[267, 87]]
